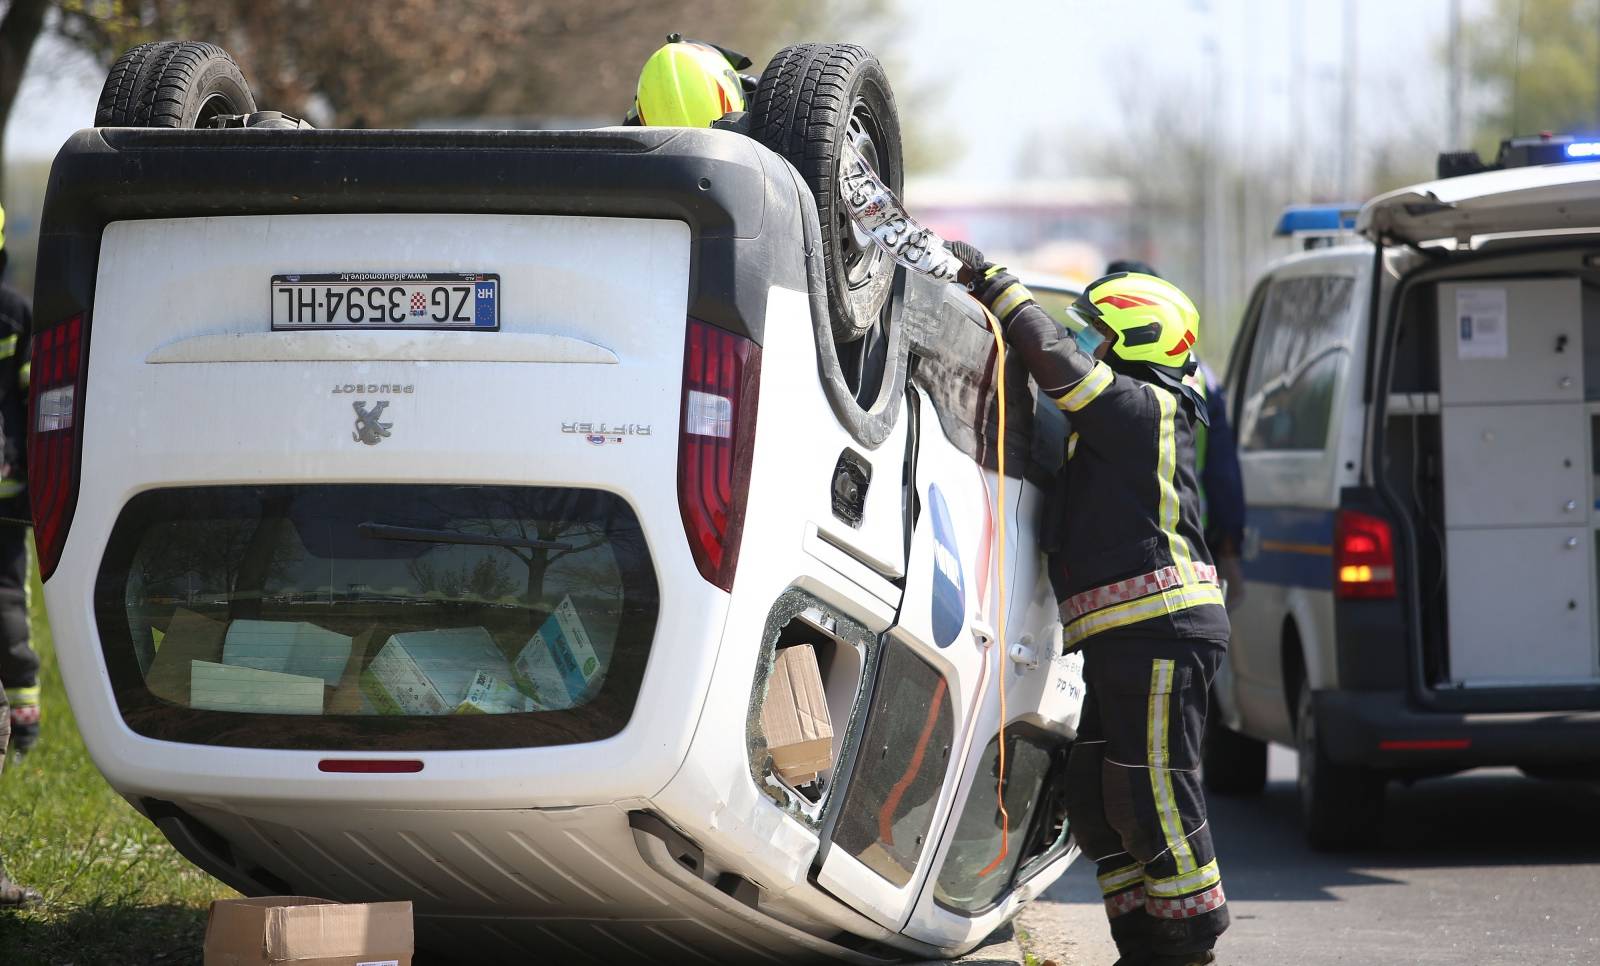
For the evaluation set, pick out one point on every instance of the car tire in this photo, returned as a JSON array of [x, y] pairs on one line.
[[811, 99], [172, 83], [1341, 806], [1232, 765]]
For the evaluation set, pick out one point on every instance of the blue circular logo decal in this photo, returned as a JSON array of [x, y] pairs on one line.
[[949, 596]]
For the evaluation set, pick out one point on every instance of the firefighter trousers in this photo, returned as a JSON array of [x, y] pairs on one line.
[[19, 665], [1134, 799]]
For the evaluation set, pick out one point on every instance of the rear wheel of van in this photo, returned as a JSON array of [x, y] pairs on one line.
[[172, 83], [812, 100], [1232, 764], [1341, 806]]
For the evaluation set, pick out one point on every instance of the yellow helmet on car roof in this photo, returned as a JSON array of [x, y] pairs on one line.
[[1151, 318], [686, 84]]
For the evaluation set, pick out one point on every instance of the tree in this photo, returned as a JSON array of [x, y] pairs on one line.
[[1535, 66], [19, 28], [391, 64]]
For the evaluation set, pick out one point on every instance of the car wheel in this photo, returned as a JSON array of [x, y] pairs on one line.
[[1341, 806], [811, 101], [172, 83], [1232, 764]]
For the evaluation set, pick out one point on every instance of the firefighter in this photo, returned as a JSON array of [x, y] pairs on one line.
[[19, 664], [1139, 597], [1216, 460], [690, 83]]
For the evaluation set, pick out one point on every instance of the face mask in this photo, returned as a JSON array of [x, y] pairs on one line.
[[1088, 339]]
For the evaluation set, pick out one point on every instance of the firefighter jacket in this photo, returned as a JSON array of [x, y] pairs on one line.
[[16, 334], [1127, 530]]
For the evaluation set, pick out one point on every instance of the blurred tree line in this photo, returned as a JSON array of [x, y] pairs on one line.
[[1532, 65], [342, 63]]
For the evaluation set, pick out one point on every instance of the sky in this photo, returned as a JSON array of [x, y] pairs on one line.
[[1003, 70], [1033, 65]]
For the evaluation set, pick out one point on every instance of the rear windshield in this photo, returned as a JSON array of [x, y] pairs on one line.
[[376, 616]]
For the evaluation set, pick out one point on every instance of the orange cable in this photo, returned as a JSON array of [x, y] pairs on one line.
[[1000, 629]]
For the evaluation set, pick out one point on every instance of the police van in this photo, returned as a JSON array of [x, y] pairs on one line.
[[1418, 413]]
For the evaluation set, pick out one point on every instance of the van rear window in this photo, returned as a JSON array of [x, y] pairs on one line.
[[376, 616]]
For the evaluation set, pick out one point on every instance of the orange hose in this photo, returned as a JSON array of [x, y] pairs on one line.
[[1000, 623]]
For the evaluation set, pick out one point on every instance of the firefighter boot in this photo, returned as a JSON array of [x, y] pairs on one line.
[[1133, 932], [13, 896], [25, 717]]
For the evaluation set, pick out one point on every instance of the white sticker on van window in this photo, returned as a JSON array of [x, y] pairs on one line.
[[1480, 323]]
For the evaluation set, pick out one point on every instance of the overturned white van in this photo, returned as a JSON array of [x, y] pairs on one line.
[[423, 515]]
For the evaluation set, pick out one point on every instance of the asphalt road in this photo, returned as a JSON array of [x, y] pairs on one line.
[[1484, 869]]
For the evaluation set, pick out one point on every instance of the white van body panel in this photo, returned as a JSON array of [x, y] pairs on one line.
[[268, 422]]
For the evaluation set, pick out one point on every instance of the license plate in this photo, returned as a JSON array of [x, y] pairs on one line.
[[386, 300]]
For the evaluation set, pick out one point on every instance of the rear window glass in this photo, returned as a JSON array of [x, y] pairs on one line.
[[375, 616], [1301, 346], [901, 766], [975, 873]]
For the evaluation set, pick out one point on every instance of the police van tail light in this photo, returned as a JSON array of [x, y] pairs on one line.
[[721, 373], [1363, 556], [56, 407]]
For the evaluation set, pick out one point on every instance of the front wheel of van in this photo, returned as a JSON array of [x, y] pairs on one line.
[[1232, 765], [172, 83], [813, 100], [1341, 806]]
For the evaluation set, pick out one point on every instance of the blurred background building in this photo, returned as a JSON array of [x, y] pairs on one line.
[[1056, 134]]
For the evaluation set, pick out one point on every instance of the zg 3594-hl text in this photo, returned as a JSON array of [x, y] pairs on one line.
[[414, 300]]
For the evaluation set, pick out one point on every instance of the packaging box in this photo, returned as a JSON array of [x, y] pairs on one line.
[[795, 716], [430, 672], [226, 687], [491, 695], [558, 666], [189, 637], [287, 647], [297, 930]]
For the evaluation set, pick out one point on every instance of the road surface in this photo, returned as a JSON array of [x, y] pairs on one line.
[[1486, 869]]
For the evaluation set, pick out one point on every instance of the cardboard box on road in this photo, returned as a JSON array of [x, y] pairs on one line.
[[795, 716], [301, 931]]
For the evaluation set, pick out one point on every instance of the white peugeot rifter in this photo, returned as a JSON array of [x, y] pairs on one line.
[[423, 515]]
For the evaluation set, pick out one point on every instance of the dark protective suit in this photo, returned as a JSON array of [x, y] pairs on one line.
[[1139, 596], [19, 665]]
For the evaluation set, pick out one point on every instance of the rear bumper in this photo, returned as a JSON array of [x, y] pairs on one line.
[[1382, 729]]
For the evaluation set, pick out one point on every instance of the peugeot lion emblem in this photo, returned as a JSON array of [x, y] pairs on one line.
[[368, 429]]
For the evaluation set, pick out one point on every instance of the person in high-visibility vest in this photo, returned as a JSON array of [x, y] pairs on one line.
[[19, 664], [1139, 597], [1216, 457], [15, 330]]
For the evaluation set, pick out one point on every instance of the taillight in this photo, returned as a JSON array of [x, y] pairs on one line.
[[1363, 556], [721, 373], [56, 409]]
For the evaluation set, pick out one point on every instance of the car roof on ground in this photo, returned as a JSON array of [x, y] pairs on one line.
[[1544, 197]]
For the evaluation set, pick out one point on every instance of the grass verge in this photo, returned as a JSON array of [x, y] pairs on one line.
[[115, 891]]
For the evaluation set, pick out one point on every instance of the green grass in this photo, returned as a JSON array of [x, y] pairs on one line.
[[115, 891]]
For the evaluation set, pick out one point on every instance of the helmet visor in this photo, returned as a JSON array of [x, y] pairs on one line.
[[1083, 329]]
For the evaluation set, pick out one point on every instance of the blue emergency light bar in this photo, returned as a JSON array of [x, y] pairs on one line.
[[1303, 220], [1583, 150]]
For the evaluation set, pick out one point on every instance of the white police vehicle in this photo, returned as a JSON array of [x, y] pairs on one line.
[[423, 514], [1418, 412]]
